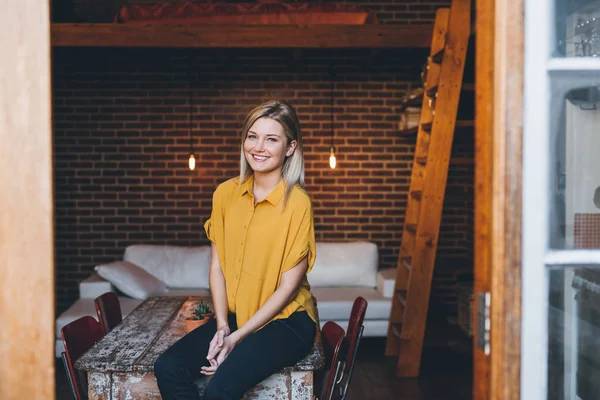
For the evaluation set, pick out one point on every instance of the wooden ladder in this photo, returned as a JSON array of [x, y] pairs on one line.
[[435, 135]]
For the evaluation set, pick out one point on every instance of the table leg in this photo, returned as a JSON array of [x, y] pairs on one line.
[[134, 385], [302, 385], [99, 385]]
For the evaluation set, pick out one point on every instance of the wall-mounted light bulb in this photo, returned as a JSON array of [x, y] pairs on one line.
[[192, 162], [332, 160]]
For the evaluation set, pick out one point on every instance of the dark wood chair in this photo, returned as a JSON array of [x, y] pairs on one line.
[[353, 335], [78, 337], [335, 346], [108, 309]]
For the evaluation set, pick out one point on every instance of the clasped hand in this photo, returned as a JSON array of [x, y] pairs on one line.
[[220, 347]]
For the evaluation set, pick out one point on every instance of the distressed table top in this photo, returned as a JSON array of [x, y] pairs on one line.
[[155, 325]]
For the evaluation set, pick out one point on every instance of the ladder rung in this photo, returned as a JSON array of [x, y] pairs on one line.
[[411, 228], [432, 92], [397, 329], [409, 131], [413, 99], [406, 262], [437, 57], [421, 160], [416, 194], [401, 297], [404, 251], [461, 123]]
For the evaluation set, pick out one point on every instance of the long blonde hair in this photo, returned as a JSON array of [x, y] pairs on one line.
[[293, 166]]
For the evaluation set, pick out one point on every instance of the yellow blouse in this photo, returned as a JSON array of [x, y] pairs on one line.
[[256, 244]]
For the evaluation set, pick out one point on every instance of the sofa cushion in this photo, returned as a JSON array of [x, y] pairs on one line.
[[176, 266], [345, 264], [336, 303], [94, 286], [131, 279], [386, 281]]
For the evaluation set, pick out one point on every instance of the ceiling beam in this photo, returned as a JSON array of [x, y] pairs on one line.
[[244, 36]]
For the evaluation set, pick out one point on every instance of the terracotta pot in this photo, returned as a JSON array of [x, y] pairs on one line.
[[191, 324]]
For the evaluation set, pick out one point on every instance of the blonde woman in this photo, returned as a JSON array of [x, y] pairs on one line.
[[263, 245]]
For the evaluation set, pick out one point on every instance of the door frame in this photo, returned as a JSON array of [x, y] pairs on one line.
[[498, 194], [27, 346], [26, 204]]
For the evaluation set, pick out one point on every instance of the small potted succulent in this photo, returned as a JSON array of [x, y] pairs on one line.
[[200, 315]]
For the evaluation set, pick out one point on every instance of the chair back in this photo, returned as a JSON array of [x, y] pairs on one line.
[[108, 309], [354, 334], [335, 346], [78, 337]]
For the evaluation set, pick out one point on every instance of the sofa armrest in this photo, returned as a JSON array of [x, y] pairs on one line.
[[386, 281], [94, 286]]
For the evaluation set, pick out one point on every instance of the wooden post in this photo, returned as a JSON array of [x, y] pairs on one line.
[[484, 92], [506, 268], [26, 221]]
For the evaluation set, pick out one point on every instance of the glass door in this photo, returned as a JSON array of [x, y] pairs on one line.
[[561, 201]]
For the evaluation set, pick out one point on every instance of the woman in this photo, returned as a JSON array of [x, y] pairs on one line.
[[263, 245]]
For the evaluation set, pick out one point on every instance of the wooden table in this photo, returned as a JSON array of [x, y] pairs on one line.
[[120, 366]]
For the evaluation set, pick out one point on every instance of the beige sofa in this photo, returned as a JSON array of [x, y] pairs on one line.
[[342, 272]]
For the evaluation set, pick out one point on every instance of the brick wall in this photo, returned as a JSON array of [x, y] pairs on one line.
[[121, 141]]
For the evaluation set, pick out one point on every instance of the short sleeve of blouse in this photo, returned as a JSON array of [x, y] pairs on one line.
[[303, 243], [214, 226]]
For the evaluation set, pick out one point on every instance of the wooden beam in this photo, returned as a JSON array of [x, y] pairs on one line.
[[26, 204], [506, 235], [204, 36], [484, 126]]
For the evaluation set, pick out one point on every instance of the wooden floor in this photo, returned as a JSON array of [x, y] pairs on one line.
[[446, 374]]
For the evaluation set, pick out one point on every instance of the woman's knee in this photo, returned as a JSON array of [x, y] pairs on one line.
[[166, 365], [216, 391]]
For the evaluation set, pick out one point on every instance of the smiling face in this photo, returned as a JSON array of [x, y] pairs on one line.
[[266, 146]]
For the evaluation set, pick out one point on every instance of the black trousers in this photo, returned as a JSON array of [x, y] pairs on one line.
[[280, 343]]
